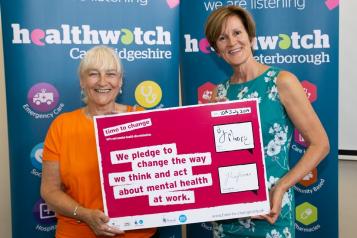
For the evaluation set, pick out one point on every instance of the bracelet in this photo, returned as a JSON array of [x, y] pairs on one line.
[[75, 210]]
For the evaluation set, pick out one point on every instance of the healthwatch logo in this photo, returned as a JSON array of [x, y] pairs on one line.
[[130, 43], [84, 34], [282, 48], [294, 40]]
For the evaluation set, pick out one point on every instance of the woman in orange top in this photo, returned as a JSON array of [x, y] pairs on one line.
[[70, 175]]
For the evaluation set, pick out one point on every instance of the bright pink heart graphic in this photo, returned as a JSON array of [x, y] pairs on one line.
[[331, 4], [173, 3], [203, 44], [36, 36]]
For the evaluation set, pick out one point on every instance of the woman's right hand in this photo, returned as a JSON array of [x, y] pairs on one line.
[[98, 222]]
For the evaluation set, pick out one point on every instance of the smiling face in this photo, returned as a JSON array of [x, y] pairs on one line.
[[101, 86], [234, 44], [101, 77]]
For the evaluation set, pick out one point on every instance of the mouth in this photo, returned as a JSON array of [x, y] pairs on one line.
[[233, 51], [101, 90]]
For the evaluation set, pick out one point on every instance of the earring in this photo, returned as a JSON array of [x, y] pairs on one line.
[[83, 96]]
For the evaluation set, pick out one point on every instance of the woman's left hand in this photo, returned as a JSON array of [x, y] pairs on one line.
[[276, 198]]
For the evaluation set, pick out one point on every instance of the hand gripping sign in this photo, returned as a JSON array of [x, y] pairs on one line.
[[182, 165]]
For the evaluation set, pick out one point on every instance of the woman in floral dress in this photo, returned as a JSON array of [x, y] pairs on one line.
[[283, 105]]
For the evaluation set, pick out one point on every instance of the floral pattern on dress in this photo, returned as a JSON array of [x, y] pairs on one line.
[[221, 93], [254, 95], [271, 75], [242, 93], [286, 199], [217, 230], [279, 141], [247, 223], [274, 234], [277, 132], [273, 93], [287, 233]]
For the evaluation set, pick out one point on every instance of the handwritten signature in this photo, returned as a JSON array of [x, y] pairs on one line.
[[228, 135], [232, 177]]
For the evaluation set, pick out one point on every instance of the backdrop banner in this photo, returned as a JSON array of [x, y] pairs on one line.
[[43, 44], [291, 36]]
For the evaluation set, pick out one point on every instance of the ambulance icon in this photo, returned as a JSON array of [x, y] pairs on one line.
[[43, 97]]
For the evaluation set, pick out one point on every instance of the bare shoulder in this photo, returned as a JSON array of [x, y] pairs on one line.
[[287, 81], [290, 89], [286, 78]]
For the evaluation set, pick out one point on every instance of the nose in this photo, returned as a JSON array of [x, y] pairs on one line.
[[102, 79], [231, 40]]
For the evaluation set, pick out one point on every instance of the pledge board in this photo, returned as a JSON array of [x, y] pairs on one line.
[[182, 165]]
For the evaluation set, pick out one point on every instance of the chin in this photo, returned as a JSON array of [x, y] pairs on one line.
[[101, 103]]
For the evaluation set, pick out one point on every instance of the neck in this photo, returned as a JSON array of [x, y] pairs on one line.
[[92, 111], [246, 72]]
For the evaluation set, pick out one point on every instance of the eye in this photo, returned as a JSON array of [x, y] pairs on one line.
[[93, 74], [221, 38], [236, 33], [112, 74]]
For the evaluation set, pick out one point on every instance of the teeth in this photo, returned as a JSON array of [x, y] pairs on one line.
[[234, 51], [102, 90]]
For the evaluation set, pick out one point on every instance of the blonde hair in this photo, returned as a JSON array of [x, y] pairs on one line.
[[218, 18], [102, 58]]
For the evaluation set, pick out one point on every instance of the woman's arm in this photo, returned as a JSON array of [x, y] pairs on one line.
[[52, 192], [304, 118]]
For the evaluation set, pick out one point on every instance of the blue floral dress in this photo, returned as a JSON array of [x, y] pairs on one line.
[[277, 131]]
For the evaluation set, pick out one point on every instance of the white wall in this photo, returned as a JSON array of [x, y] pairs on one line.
[[348, 76], [347, 119], [5, 209], [347, 198]]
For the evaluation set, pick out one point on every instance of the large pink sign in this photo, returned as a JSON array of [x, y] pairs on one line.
[[182, 165]]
